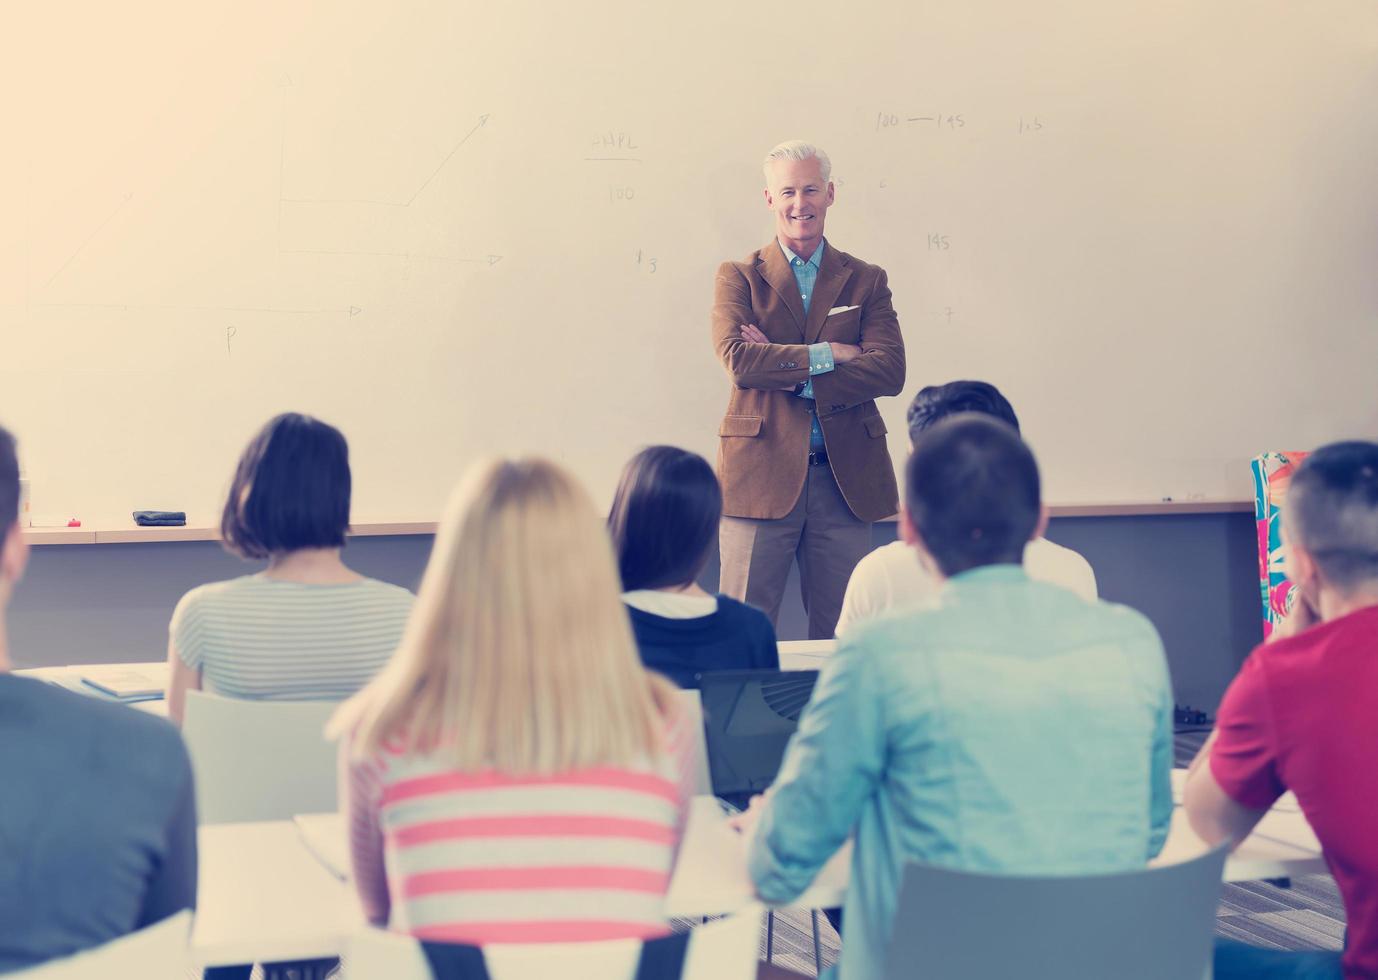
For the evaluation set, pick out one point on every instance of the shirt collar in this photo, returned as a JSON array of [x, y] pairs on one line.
[[993, 574], [814, 260]]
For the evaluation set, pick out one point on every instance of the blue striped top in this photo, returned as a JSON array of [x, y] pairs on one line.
[[263, 638]]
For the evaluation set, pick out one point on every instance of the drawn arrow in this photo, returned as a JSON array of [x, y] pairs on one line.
[[89, 238], [482, 121]]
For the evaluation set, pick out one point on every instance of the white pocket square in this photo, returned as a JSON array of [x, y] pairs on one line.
[[842, 309]]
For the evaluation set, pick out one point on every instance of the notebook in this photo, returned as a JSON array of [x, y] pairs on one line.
[[128, 682]]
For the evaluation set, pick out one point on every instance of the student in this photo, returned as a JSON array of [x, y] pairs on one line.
[[1300, 714], [889, 577], [532, 777], [664, 523], [97, 815], [1006, 726], [306, 628]]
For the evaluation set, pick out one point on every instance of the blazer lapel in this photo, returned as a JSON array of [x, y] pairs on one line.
[[776, 271], [833, 273]]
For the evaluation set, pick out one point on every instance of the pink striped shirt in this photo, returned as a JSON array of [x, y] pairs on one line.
[[486, 857]]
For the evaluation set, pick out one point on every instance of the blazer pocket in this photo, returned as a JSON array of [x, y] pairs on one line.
[[875, 427], [740, 425], [845, 326]]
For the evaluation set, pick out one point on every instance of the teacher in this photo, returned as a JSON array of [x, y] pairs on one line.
[[810, 339]]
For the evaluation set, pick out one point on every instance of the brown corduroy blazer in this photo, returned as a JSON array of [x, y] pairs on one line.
[[763, 443]]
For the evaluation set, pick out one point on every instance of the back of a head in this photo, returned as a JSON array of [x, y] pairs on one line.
[[9, 484], [664, 518], [519, 655], [291, 489], [1331, 509], [973, 493], [937, 402]]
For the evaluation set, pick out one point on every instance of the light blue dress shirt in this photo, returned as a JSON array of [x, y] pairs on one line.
[[1006, 725], [821, 354]]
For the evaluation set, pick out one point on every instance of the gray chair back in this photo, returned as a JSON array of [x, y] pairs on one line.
[[1154, 924], [259, 760]]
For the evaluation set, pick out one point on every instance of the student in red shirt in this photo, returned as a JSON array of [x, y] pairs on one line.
[[1303, 712]]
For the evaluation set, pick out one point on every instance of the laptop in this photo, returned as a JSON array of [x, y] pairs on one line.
[[748, 718]]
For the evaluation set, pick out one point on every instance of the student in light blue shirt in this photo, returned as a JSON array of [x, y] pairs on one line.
[[1006, 725]]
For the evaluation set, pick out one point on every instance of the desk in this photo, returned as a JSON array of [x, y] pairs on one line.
[[804, 654], [264, 897], [70, 678], [711, 874]]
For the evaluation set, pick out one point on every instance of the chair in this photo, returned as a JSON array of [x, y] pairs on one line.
[[1154, 924], [692, 705], [724, 949], [160, 950], [259, 760]]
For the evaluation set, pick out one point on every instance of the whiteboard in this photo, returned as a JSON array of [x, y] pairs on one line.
[[455, 229]]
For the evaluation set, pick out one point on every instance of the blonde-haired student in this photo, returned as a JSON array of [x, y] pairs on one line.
[[514, 774]]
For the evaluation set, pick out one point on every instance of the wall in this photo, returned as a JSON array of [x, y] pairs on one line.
[[461, 228]]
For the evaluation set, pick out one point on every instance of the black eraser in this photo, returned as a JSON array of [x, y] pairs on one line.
[[160, 518]]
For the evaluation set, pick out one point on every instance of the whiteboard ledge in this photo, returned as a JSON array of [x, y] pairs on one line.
[[1151, 508], [133, 534], [1154, 508], [140, 535]]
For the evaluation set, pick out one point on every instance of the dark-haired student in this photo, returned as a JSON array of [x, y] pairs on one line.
[[307, 627], [97, 813], [889, 577], [1005, 726], [1300, 714], [664, 523]]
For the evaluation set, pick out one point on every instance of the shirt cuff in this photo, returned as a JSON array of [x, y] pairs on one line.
[[773, 880], [820, 358], [820, 362]]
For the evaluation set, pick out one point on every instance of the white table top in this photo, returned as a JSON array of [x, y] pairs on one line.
[[804, 654], [264, 897], [711, 874], [70, 678], [711, 871]]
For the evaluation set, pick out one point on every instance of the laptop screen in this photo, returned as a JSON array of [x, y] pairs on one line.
[[748, 718]]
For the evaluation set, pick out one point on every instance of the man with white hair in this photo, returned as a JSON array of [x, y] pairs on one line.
[[810, 339]]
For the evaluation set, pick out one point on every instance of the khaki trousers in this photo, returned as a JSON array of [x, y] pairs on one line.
[[821, 531]]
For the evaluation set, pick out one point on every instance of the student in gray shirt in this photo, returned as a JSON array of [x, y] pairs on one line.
[[307, 627], [97, 815]]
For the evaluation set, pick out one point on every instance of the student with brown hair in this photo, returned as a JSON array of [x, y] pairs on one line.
[[664, 523], [307, 627]]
